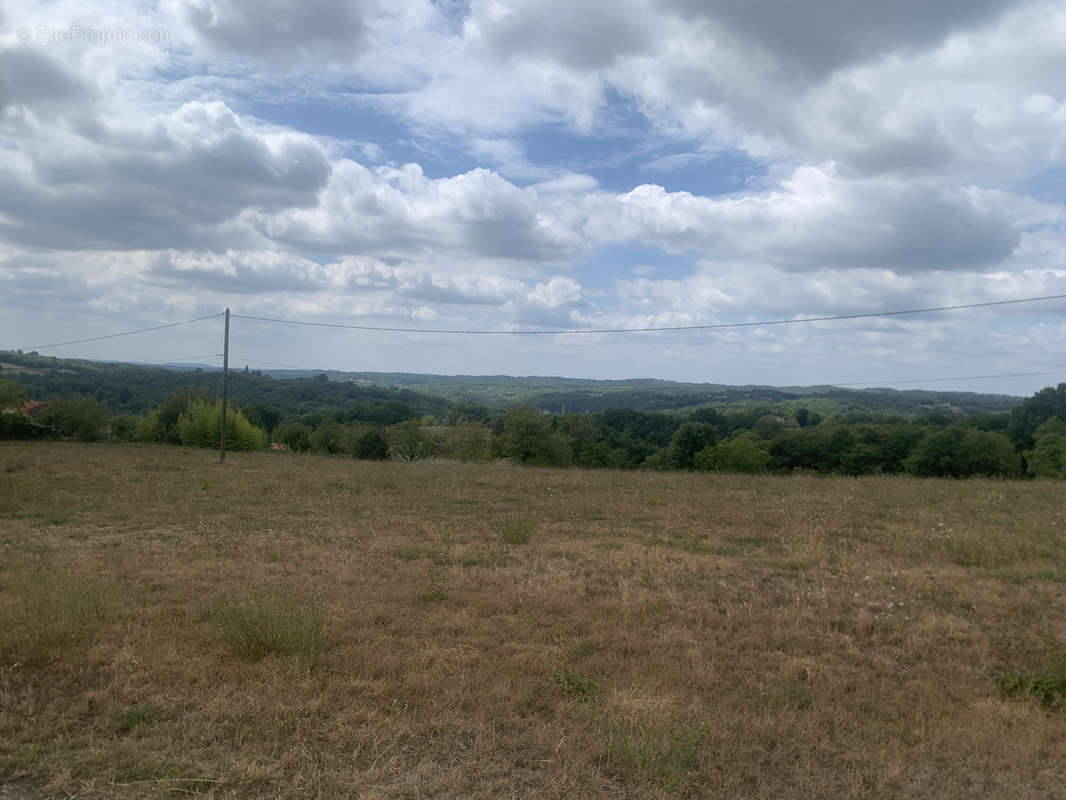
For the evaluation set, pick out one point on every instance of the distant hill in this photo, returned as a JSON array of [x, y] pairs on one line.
[[135, 388], [560, 395]]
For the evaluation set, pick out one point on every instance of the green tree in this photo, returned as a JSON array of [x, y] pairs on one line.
[[329, 437], [1033, 412], [12, 395], [409, 442], [171, 409], [294, 435], [527, 437], [958, 452], [689, 439], [740, 454], [371, 446], [989, 454], [78, 416], [468, 441], [937, 454], [1047, 459], [200, 425]]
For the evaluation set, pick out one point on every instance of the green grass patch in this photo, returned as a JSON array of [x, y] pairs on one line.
[[577, 687], [664, 754], [144, 714], [272, 623], [515, 530], [1048, 686], [58, 610]]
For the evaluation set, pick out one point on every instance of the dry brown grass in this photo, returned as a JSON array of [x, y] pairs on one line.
[[660, 635]]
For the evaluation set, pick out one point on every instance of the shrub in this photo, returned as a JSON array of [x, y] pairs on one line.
[[150, 428], [741, 454], [515, 530], [272, 623], [468, 441], [1049, 686], [527, 437], [577, 687], [12, 395], [78, 416], [408, 440], [294, 435], [371, 446], [1047, 459], [200, 425]]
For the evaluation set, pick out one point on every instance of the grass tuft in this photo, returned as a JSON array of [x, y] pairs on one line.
[[144, 714], [577, 687], [662, 754], [1049, 686], [272, 623], [59, 610], [515, 530]]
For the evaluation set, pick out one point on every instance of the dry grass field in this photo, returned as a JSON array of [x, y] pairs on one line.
[[291, 626]]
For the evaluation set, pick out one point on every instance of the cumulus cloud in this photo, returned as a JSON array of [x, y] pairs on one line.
[[168, 181], [818, 218], [400, 212], [273, 29]]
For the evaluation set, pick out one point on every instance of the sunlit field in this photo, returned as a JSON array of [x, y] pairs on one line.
[[300, 626]]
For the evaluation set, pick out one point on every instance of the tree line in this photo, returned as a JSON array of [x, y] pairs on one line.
[[1030, 440]]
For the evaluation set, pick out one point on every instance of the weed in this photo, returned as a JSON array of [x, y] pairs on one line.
[[1049, 686], [515, 530], [664, 754], [577, 687], [272, 623], [137, 716]]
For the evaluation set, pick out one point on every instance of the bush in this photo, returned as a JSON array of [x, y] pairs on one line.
[[527, 437], [408, 441], [12, 395], [78, 416], [468, 441], [294, 435], [200, 425], [741, 454], [329, 437], [1047, 459], [150, 428], [272, 623], [371, 446], [516, 530], [687, 441]]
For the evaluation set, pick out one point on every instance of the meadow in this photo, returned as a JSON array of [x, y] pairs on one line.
[[287, 625]]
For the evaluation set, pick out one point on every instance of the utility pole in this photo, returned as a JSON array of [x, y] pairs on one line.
[[225, 392]]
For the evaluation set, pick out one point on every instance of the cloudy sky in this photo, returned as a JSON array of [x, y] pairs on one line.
[[541, 164]]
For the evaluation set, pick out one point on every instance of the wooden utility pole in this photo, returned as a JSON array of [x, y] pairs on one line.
[[225, 392]]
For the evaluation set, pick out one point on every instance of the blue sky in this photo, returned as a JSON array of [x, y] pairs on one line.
[[519, 165]]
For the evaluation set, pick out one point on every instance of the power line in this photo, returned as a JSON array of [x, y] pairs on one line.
[[117, 335], [274, 363], [959, 378], [185, 359], [715, 326]]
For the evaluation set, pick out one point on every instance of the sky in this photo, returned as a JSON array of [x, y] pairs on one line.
[[541, 165]]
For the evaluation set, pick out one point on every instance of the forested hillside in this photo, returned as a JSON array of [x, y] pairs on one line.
[[585, 424]]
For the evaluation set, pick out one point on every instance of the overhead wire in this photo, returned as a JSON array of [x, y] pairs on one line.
[[659, 329], [118, 335]]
